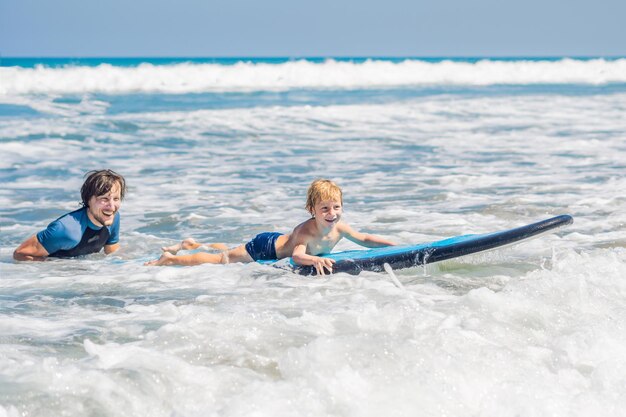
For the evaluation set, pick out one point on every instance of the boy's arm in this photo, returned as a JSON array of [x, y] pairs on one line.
[[364, 239], [301, 236], [300, 257]]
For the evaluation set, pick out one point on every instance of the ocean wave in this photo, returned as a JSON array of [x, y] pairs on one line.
[[186, 78]]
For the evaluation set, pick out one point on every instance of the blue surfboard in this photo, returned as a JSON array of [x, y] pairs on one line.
[[398, 257]]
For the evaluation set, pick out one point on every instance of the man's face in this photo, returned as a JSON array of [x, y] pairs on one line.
[[102, 208]]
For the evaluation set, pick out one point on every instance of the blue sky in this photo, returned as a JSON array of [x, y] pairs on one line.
[[312, 28]]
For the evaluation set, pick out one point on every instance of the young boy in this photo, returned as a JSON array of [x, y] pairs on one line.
[[314, 237]]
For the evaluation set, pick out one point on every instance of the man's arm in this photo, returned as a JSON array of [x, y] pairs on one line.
[[30, 250], [112, 243], [111, 248]]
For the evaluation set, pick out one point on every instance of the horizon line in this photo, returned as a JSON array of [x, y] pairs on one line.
[[290, 57]]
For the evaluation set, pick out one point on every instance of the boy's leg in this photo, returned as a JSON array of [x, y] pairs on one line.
[[219, 246], [238, 254], [194, 259], [191, 244]]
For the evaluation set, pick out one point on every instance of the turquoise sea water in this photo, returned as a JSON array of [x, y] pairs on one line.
[[221, 149], [31, 62]]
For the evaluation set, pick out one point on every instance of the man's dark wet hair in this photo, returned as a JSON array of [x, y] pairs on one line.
[[99, 183]]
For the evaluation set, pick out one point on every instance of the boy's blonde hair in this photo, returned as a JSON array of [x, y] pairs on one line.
[[321, 190]]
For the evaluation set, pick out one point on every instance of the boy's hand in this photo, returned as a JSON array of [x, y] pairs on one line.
[[321, 264]]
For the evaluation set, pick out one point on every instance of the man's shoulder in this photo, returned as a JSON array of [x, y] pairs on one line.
[[78, 215], [70, 222], [63, 233]]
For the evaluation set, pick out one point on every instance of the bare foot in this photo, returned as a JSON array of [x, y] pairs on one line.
[[165, 259], [187, 244]]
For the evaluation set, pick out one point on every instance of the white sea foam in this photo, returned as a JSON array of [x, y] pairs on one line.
[[244, 76], [552, 339]]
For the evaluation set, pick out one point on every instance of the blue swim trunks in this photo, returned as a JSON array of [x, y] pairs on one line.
[[263, 246]]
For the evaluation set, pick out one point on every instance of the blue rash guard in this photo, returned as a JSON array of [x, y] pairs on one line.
[[73, 234]]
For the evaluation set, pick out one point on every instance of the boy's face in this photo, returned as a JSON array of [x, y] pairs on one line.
[[327, 213]]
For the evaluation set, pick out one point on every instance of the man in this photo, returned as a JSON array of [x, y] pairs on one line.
[[86, 230]]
